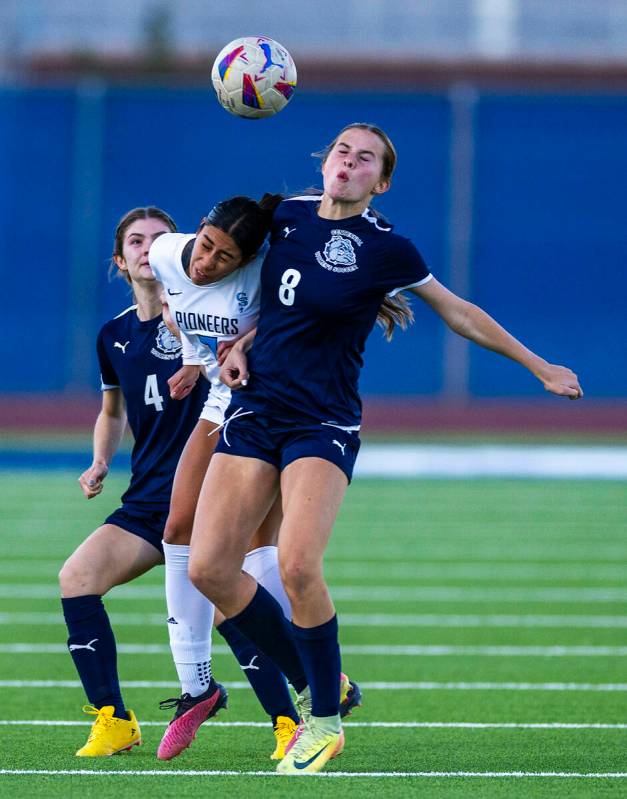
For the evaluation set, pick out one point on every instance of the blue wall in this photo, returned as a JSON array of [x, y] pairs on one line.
[[548, 244]]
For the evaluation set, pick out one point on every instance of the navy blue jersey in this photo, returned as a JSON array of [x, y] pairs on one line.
[[322, 284], [139, 357]]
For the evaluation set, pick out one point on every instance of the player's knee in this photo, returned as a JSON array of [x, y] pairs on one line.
[[298, 576], [205, 578], [178, 531], [77, 578]]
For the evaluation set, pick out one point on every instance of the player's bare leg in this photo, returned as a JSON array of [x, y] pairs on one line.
[[223, 529]]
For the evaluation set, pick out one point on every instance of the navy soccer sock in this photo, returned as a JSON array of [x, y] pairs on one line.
[[265, 678], [319, 650], [92, 646], [263, 622]]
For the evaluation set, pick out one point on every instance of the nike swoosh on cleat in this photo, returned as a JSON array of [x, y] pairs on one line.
[[306, 763]]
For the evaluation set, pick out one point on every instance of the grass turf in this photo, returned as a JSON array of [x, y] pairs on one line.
[[418, 548]]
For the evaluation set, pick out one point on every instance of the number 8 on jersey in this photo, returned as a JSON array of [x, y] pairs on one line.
[[289, 280]]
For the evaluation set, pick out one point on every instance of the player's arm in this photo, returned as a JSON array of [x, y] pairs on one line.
[[108, 432], [224, 347], [234, 371], [474, 323], [183, 381], [167, 317]]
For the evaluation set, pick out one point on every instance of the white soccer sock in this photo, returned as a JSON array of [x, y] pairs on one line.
[[190, 618], [263, 564]]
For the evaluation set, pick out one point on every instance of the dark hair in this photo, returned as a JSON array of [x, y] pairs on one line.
[[389, 151], [245, 220], [147, 212]]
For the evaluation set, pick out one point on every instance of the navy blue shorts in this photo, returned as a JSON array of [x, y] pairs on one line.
[[255, 435], [144, 522]]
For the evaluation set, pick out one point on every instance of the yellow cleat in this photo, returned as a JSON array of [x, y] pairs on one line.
[[319, 741], [284, 730], [110, 734], [350, 696]]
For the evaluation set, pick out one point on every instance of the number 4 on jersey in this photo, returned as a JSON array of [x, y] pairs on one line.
[[151, 393]]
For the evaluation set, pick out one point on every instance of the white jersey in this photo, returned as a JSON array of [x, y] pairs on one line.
[[206, 315]]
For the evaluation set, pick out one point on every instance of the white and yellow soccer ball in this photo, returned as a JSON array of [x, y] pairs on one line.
[[254, 77]]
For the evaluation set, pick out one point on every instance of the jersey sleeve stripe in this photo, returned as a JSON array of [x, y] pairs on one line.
[[411, 286], [125, 311], [311, 197]]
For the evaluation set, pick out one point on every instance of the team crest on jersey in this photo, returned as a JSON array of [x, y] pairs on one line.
[[339, 253], [242, 300], [167, 346]]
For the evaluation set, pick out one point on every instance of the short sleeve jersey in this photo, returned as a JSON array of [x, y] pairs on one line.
[[323, 282], [138, 358], [206, 315]]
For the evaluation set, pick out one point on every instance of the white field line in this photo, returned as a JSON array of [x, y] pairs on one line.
[[322, 774], [370, 686], [417, 572], [376, 593], [414, 570], [364, 649], [448, 725], [499, 563], [413, 460], [362, 620], [447, 549]]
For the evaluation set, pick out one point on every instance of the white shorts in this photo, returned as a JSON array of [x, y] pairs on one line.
[[216, 404]]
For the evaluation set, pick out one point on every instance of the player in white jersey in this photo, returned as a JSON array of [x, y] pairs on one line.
[[212, 287], [207, 314], [211, 283]]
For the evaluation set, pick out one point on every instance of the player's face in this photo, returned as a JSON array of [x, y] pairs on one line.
[[352, 170], [137, 240], [215, 256]]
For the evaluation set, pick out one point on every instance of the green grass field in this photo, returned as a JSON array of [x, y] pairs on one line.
[[485, 620]]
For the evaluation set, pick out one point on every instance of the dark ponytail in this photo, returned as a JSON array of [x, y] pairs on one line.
[[269, 202], [245, 220]]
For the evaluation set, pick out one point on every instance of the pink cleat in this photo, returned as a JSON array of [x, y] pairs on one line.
[[190, 713]]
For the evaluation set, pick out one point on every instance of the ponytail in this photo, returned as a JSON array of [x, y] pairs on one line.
[[394, 311], [269, 202], [247, 222]]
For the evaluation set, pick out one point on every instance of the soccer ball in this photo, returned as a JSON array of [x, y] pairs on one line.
[[254, 77]]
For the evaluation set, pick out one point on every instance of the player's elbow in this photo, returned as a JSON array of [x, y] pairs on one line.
[[462, 319]]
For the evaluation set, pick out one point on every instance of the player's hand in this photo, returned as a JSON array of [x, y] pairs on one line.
[[234, 371], [224, 347], [562, 381], [167, 318], [182, 382], [91, 481]]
